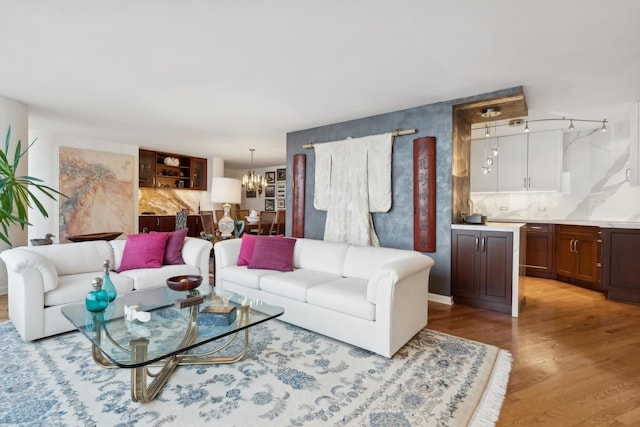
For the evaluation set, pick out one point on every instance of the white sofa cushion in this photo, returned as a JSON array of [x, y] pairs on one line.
[[320, 256], [363, 261], [347, 295], [295, 284], [147, 278], [82, 257], [241, 275], [68, 290]]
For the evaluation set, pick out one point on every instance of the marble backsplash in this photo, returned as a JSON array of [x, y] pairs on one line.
[[167, 201], [594, 183]]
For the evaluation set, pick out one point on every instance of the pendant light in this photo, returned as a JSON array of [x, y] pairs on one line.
[[252, 181]]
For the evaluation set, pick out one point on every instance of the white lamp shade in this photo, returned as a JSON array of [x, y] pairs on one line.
[[226, 190]]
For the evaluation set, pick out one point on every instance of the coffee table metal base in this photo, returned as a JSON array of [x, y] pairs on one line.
[[141, 389]]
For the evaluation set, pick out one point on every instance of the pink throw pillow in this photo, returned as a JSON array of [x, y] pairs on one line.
[[246, 248], [273, 254], [143, 251], [173, 251]]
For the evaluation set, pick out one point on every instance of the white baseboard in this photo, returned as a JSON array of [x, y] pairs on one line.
[[442, 299]]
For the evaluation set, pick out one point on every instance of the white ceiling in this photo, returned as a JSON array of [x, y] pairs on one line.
[[215, 78]]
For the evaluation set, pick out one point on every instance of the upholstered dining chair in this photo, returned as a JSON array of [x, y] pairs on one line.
[[181, 219]]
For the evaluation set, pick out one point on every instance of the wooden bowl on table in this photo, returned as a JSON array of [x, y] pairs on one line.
[[187, 282]]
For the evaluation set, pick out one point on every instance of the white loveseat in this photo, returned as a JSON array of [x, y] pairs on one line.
[[42, 279], [374, 298]]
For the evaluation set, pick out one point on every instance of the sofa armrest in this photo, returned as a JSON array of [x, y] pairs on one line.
[[196, 252], [395, 271], [227, 252], [19, 261]]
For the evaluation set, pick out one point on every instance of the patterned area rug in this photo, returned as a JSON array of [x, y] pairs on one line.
[[290, 377]]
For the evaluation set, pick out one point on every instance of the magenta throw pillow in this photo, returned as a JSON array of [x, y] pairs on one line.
[[247, 246], [144, 250], [273, 254], [173, 250]]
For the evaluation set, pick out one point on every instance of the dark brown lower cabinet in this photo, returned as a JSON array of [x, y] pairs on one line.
[[482, 268], [577, 255], [621, 265], [168, 223], [539, 256]]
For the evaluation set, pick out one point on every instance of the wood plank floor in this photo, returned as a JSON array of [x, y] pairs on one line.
[[576, 355]]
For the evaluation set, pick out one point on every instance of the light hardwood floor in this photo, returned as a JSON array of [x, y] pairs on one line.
[[576, 356]]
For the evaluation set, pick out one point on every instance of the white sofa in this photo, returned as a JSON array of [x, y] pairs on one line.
[[42, 279], [374, 298]]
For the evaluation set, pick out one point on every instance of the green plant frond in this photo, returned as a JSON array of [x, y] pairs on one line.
[[7, 139], [17, 155]]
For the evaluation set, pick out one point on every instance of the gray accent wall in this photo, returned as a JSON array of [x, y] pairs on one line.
[[394, 228]]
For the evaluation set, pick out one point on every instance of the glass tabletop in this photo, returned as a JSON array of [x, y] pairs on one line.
[[171, 330]]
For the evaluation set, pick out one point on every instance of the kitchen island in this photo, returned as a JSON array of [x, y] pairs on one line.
[[486, 264]]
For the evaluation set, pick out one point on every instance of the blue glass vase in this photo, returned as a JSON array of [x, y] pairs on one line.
[[107, 284], [97, 299]]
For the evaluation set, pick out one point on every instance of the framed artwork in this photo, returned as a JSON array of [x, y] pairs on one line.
[[269, 205], [250, 194], [95, 205], [280, 204], [281, 174], [270, 177], [270, 191], [281, 190]]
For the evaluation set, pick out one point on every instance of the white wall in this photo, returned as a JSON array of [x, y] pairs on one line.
[[256, 203], [594, 183], [13, 114]]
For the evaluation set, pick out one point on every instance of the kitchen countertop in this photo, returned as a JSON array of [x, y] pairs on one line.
[[491, 226], [588, 222]]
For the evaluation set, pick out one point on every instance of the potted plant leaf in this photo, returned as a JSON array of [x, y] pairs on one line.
[[16, 192]]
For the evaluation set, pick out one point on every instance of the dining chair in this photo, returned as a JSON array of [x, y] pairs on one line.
[[266, 222]]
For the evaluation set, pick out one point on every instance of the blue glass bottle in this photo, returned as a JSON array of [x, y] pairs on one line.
[[107, 284], [97, 299]]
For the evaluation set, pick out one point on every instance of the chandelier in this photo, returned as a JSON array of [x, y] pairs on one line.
[[252, 181]]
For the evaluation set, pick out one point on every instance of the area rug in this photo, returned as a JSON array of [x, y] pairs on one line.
[[290, 377]]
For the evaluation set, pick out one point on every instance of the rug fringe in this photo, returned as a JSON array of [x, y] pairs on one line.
[[491, 403]]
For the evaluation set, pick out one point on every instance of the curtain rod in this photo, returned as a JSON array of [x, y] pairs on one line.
[[394, 133]]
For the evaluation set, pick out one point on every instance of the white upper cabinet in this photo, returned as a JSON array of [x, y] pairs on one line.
[[482, 182], [512, 163], [526, 162], [544, 168]]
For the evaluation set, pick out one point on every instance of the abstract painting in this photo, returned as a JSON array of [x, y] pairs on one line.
[[100, 190]]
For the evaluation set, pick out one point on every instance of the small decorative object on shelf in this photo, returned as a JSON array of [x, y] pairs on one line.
[[107, 284], [46, 241], [97, 299]]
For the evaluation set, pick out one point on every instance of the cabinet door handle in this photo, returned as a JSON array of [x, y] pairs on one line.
[[477, 243], [524, 182], [158, 222], [529, 183], [482, 244], [575, 245]]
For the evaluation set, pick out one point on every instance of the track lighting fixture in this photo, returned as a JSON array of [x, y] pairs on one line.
[[486, 133], [571, 120], [604, 126]]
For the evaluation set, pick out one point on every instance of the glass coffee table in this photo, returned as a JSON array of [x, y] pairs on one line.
[[173, 336]]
